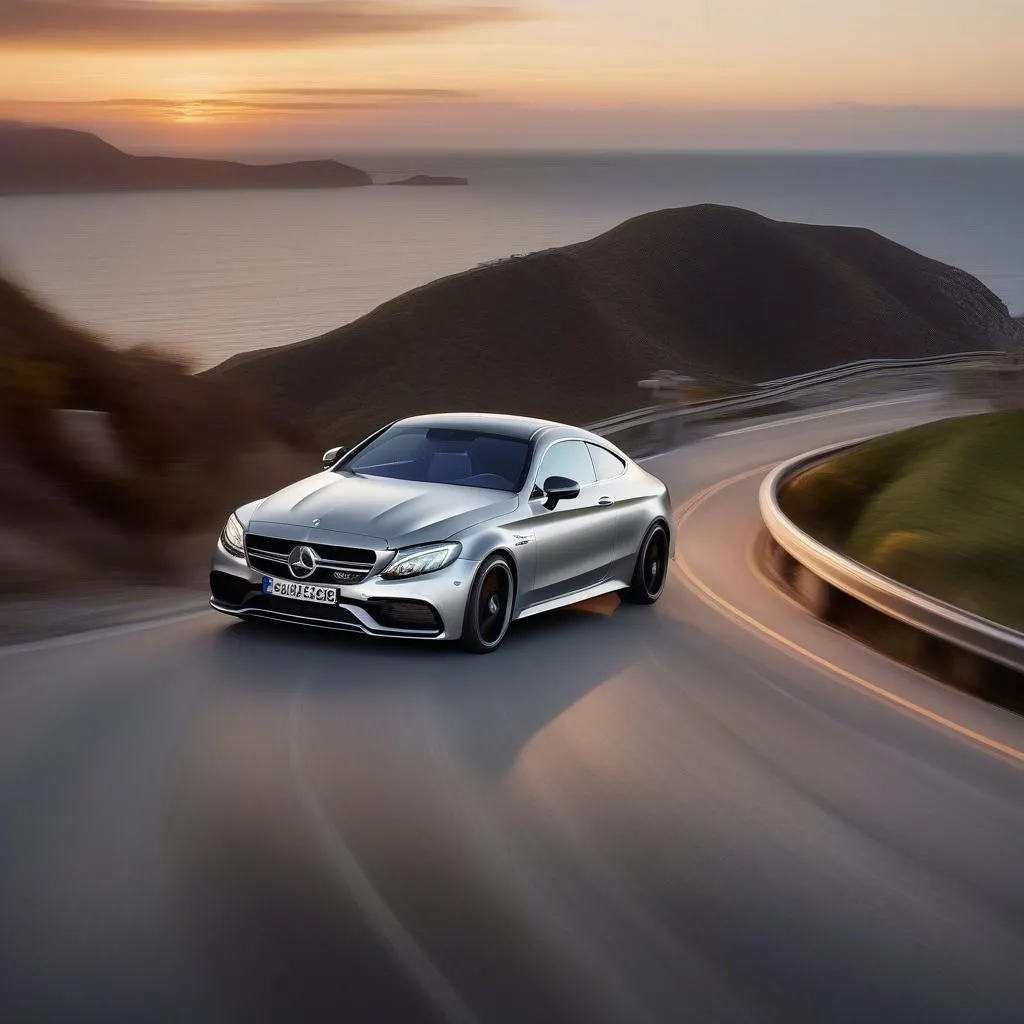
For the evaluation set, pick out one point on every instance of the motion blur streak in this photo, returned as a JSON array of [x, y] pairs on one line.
[[105, 633], [380, 916], [717, 601], [620, 816]]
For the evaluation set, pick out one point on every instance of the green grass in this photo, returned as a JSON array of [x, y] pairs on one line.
[[939, 507]]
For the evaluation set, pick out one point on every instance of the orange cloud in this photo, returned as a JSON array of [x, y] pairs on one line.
[[161, 24], [246, 104]]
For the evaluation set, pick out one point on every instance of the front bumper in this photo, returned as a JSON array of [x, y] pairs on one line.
[[430, 607]]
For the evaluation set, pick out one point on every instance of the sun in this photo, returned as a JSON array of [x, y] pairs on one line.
[[191, 113]]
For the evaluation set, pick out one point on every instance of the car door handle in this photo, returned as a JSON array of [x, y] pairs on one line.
[[605, 501]]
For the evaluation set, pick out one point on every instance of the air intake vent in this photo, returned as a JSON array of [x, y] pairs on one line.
[[404, 614]]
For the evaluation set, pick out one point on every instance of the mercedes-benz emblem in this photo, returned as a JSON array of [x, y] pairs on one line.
[[302, 562]]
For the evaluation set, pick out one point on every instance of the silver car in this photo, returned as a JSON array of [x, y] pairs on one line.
[[449, 527]]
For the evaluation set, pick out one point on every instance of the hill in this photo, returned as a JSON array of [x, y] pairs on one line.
[[149, 454], [40, 159], [718, 293]]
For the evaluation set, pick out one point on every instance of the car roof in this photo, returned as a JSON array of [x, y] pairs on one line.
[[523, 427]]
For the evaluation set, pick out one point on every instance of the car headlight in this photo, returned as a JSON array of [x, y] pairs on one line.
[[233, 536], [417, 561]]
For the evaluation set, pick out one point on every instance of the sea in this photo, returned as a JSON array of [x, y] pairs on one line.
[[208, 274]]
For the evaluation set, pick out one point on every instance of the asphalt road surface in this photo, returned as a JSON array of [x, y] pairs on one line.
[[715, 810]]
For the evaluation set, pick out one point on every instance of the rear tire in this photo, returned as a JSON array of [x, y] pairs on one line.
[[489, 606], [651, 570]]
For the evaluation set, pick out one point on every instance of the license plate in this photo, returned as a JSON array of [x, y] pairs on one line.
[[300, 591]]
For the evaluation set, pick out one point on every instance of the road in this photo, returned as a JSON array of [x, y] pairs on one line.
[[715, 810]]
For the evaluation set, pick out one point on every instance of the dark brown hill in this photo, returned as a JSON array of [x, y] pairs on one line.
[[719, 293], [36, 159], [150, 452]]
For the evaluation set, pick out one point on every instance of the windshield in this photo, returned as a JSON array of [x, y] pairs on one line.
[[468, 458]]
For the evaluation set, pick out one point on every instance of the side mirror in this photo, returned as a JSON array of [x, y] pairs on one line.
[[559, 488], [332, 455]]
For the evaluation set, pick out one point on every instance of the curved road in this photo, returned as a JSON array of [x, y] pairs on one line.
[[718, 810]]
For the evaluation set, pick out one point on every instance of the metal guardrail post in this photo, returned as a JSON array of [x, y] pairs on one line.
[[1008, 381], [668, 388]]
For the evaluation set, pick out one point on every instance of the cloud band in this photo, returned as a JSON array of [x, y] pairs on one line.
[[192, 24]]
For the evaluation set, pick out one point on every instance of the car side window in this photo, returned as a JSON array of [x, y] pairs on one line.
[[607, 465], [569, 459]]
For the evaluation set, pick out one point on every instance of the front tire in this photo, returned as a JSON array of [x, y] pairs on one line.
[[489, 606], [651, 570]]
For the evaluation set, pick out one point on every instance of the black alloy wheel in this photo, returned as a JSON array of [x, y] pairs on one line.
[[651, 569], [489, 607]]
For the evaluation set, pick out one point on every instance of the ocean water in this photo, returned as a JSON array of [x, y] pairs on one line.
[[210, 274]]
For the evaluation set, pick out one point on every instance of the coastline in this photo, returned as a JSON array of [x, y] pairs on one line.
[[210, 271]]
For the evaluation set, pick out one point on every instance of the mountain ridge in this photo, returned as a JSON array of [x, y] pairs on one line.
[[41, 159], [719, 293]]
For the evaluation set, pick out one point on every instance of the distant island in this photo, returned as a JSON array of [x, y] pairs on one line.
[[429, 180], [41, 159]]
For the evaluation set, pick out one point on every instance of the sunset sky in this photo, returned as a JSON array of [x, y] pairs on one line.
[[331, 75]]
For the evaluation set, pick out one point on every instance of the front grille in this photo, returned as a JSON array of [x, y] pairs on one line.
[[338, 565], [280, 546]]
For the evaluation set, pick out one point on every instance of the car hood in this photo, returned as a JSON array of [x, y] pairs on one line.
[[399, 512]]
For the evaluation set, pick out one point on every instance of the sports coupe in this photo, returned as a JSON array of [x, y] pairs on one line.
[[449, 527]]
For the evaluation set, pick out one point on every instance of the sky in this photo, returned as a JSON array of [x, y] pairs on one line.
[[328, 76]]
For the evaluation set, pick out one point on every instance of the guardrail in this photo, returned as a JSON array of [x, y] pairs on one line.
[[869, 365], [643, 431], [830, 571]]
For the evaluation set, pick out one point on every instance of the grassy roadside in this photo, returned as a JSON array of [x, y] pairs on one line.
[[939, 507]]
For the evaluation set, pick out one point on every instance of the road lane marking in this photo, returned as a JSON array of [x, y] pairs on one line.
[[722, 605], [824, 412], [103, 633], [375, 909]]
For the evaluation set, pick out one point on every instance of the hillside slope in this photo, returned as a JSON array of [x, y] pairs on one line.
[[719, 293], [157, 453], [937, 507], [38, 159]]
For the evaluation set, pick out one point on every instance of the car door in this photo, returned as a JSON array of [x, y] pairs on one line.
[[576, 540], [632, 517]]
